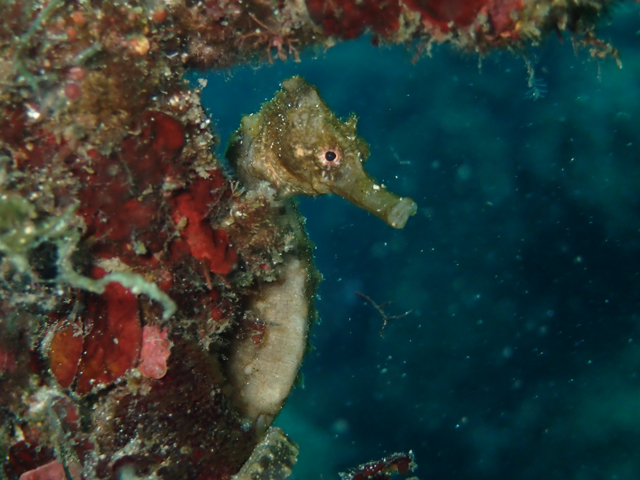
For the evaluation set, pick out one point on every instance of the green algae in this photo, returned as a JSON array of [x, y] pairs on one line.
[[22, 231]]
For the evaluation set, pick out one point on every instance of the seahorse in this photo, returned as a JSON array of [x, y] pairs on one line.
[[295, 145], [298, 146]]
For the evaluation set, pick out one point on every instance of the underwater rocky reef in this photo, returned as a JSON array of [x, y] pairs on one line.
[[156, 302]]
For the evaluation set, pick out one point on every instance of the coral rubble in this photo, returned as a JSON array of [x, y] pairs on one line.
[[142, 289], [383, 469]]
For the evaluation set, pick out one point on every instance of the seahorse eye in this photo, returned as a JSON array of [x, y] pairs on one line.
[[329, 158]]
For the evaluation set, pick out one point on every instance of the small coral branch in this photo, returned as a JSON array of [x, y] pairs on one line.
[[380, 308]]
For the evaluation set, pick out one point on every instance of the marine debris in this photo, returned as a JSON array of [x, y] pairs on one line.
[[139, 286]]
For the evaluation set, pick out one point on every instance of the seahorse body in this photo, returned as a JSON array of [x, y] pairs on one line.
[[294, 145]]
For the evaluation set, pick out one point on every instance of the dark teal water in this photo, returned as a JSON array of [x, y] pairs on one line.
[[520, 359]]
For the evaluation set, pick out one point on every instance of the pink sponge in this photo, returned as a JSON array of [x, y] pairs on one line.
[[155, 352]]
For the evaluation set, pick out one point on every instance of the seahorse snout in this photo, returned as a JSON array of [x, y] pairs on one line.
[[364, 192]]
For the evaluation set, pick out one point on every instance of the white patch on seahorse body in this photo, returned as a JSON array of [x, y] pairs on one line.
[[262, 375]]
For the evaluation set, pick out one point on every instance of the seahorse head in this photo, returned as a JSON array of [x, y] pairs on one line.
[[298, 145]]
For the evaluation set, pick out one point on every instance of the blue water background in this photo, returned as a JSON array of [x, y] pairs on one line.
[[520, 358]]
